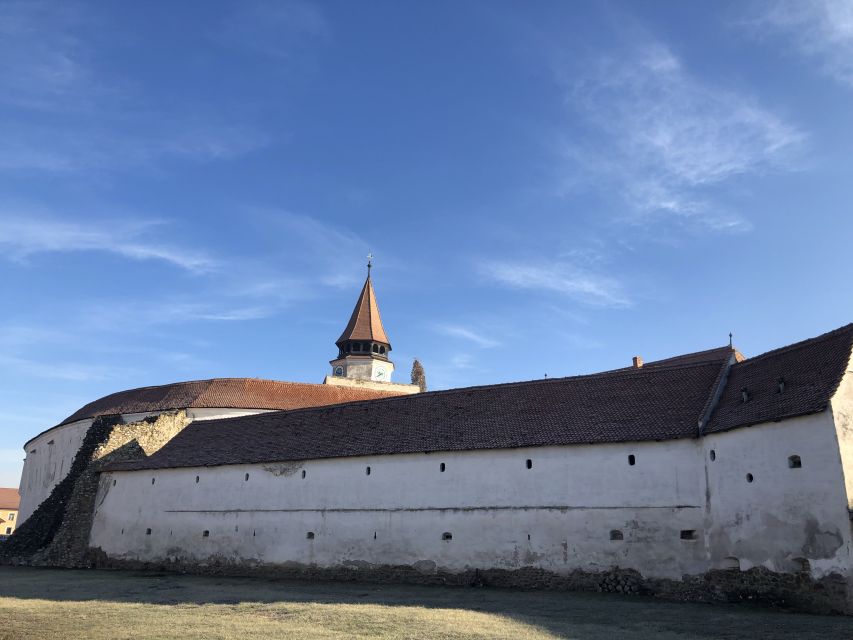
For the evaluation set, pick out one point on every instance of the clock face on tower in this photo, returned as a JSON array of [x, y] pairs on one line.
[[380, 373]]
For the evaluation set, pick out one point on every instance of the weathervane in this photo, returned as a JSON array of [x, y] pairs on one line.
[[369, 263]]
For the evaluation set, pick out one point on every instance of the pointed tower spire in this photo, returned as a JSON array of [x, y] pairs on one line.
[[363, 347]]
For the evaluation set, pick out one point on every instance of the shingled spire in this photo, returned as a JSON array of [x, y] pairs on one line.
[[363, 347], [365, 322]]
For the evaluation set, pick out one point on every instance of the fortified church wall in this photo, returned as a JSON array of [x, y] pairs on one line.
[[701, 477]]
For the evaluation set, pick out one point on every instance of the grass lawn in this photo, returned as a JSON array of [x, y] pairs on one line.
[[49, 603]]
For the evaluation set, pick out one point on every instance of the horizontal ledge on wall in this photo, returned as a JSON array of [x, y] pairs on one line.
[[454, 509]]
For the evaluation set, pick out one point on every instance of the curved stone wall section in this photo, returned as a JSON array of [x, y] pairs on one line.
[[50, 454]]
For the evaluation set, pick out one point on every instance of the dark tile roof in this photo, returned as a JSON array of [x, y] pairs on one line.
[[660, 401], [655, 403], [812, 371], [9, 499]]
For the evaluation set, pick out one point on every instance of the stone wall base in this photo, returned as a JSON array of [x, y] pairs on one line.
[[797, 592]]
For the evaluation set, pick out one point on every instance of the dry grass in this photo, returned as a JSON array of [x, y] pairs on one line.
[[96, 605]]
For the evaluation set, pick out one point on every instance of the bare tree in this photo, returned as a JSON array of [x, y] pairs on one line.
[[418, 375]]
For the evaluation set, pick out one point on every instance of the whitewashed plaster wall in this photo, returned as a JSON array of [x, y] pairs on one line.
[[50, 454], [765, 512], [557, 515]]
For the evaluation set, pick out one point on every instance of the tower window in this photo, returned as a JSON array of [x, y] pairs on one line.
[[347, 348], [376, 348], [381, 350], [529, 463], [205, 534], [303, 473], [367, 471], [688, 534], [309, 535], [148, 532], [442, 467], [632, 460], [615, 534], [794, 462], [447, 536], [749, 477]]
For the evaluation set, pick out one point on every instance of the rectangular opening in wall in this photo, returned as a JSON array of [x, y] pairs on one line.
[[688, 534], [794, 462], [447, 536], [615, 534], [205, 534], [148, 532], [309, 535], [632, 460]]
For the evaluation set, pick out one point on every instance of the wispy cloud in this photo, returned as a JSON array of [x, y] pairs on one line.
[[478, 337], [69, 371], [672, 140], [23, 236], [821, 30], [576, 283], [75, 117], [275, 28]]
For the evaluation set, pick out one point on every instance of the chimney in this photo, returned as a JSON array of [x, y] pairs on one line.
[[638, 362]]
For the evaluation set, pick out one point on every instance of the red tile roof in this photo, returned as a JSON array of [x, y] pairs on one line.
[[226, 393], [365, 322], [660, 401], [10, 499]]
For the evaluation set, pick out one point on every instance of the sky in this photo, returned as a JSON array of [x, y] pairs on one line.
[[189, 190]]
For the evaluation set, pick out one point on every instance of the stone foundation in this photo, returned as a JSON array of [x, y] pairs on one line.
[[798, 592]]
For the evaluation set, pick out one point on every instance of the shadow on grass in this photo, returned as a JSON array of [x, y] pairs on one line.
[[575, 615]]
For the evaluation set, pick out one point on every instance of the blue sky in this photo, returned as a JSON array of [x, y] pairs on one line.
[[189, 190]]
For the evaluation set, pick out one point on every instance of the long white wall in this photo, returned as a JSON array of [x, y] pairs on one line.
[[557, 515], [49, 456]]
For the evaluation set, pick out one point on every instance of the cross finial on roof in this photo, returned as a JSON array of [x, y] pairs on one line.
[[369, 263], [730, 339]]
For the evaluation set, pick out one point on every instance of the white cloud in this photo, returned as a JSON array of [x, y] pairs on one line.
[[459, 331], [671, 141], [276, 28], [70, 371], [24, 236], [577, 283], [819, 29]]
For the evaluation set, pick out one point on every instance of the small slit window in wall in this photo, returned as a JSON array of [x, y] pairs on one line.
[[632, 460], [303, 473], [148, 532], [367, 471], [442, 467], [615, 534], [529, 463], [794, 462], [196, 479], [749, 477], [712, 455], [246, 479], [447, 536], [309, 535], [152, 480], [688, 534], [205, 534]]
